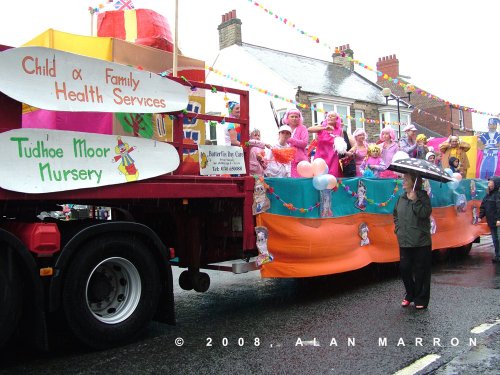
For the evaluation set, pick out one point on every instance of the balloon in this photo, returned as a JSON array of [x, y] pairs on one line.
[[305, 169], [319, 166], [400, 155], [457, 176], [332, 181], [449, 171], [453, 184], [320, 182]]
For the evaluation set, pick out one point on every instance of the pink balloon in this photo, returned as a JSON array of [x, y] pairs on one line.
[[457, 176], [319, 166], [305, 169], [332, 181]]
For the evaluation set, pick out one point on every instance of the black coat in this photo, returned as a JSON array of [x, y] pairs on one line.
[[490, 206]]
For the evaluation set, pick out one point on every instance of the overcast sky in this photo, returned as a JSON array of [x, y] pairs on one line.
[[448, 47]]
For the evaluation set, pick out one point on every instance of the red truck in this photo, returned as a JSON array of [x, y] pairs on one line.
[[109, 276]]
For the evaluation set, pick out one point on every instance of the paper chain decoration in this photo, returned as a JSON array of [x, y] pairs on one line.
[[291, 207], [371, 201], [357, 62]]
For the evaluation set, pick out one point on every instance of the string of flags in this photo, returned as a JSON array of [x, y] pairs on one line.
[[313, 107], [386, 77], [112, 5]]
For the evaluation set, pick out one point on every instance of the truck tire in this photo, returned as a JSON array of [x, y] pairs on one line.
[[10, 301], [111, 291]]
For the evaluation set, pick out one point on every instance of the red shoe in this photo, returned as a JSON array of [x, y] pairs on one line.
[[405, 303]]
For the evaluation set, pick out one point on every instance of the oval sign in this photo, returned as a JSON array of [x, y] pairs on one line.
[[57, 80], [57, 160]]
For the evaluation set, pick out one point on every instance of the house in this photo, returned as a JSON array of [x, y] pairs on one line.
[[428, 113], [320, 86]]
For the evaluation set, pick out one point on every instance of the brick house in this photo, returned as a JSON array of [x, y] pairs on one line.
[[325, 85], [438, 110]]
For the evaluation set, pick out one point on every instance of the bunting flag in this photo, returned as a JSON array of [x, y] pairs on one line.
[[313, 107], [386, 77], [123, 4]]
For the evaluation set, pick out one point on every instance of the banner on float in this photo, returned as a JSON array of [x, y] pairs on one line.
[[217, 160], [62, 81], [57, 160]]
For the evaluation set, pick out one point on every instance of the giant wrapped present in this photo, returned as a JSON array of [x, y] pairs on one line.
[[140, 26]]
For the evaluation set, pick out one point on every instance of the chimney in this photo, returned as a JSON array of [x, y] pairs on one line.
[[229, 30], [341, 54], [388, 65]]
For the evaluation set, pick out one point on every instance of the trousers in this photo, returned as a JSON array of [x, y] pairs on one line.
[[415, 268]]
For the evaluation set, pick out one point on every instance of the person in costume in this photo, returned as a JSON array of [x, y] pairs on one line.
[[455, 147], [359, 149], [276, 166], [408, 144], [488, 144], [373, 164], [231, 136], [299, 138], [257, 160], [421, 150], [328, 147]]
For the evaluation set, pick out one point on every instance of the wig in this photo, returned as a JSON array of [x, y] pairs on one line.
[[359, 131], [390, 131], [339, 120], [293, 111]]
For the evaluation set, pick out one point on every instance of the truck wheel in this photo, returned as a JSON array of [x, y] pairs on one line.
[[466, 249], [10, 301], [201, 282], [185, 280], [111, 291]]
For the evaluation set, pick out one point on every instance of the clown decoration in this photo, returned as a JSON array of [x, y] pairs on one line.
[[127, 164], [264, 255]]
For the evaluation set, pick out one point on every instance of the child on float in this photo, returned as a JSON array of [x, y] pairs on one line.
[[277, 166], [257, 160], [454, 164], [421, 150], [373, 164]]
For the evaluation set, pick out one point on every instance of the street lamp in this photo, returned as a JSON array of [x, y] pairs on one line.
[[386, 93]]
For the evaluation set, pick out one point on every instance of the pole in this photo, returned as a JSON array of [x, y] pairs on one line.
[[399, 117], [91, 23], [176, 33]]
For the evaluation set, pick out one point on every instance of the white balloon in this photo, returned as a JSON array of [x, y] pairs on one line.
[[400, 155]]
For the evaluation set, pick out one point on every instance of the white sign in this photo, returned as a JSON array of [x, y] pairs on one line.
[[217, 160], [56, 80], [43, 161]]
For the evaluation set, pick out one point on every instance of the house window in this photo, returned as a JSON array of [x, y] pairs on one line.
[[391, 119], [461, 119], [358, 114]]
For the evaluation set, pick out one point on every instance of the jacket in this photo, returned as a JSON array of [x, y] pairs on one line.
[[490, 206], [412, 220]]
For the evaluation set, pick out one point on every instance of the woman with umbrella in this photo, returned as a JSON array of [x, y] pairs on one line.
[[412, 214]]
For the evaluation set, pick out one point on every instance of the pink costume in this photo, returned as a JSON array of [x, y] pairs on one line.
[[257, 149], [359, 157], [298, 140], [388, 152], [378, 162], [325, 148]]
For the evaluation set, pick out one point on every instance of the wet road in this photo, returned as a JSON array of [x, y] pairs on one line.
[[343, 324]]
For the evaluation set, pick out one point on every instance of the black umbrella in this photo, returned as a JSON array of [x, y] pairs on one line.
[[421, 168]]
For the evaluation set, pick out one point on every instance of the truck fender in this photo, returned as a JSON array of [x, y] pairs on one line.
[[165, 311], [28, 267]]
